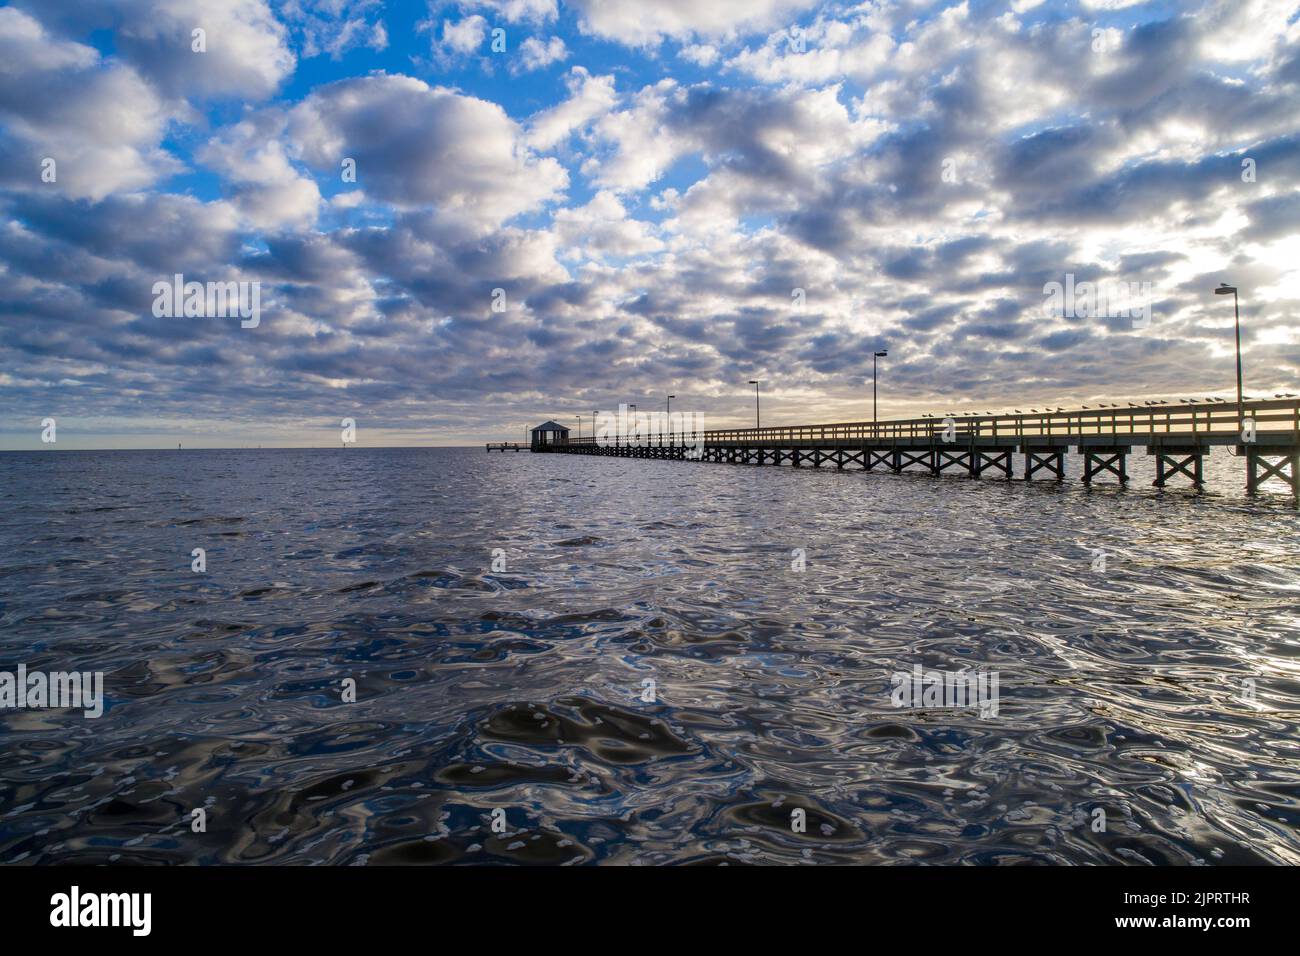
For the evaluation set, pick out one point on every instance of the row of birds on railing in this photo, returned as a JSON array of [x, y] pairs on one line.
[[1147, 404]]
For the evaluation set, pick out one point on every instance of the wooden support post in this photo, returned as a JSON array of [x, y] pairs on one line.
[[946, 459], [903, 459], [999, 459], [1167, 466], [1096, 463], [1260, 469]]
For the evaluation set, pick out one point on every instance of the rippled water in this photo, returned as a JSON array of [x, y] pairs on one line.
[[1121, 689]]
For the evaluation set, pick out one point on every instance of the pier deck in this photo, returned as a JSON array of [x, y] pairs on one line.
[[1179, 436]]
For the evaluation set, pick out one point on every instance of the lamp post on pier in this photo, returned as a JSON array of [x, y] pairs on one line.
[[756, 418], [875, 355], [1224, 289]]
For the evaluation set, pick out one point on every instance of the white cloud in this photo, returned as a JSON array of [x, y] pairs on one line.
[[637, 23], [463, 37], [98, 120], [25, 45], [590, 97], [535, 54], [701, 54], [247, 50], [603, 229], [335, 26], [267, 190], [417, 145], [831, 50], [511, 11]]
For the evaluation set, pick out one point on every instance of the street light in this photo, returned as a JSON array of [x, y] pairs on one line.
[[755, 384], [1224, 289], [579, 417], [875, 355], [668, 405]]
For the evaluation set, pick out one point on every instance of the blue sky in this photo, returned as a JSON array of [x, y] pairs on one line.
[[648, 184]]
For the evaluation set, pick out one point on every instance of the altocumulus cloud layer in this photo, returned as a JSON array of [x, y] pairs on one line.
[[648, 183]]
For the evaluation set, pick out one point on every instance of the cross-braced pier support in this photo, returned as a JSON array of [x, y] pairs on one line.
[[1099, 461], [946, 459], [874, 458], [983, 461], [1263, 464], [1052, 460], [1171, 462], [905, 459], [975, 461]]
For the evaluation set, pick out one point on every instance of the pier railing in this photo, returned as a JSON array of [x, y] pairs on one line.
[[1273, 417]]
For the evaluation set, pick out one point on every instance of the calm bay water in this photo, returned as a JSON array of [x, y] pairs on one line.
[[1123, 689]]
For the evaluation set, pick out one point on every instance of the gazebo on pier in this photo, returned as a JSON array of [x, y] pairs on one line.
[[546, 435]]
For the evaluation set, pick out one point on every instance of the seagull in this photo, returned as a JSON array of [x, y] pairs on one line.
[[1131, 405], [1019, 412]]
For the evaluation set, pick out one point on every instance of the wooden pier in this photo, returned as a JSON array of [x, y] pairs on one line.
[[1177, 435], [506, 446]]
